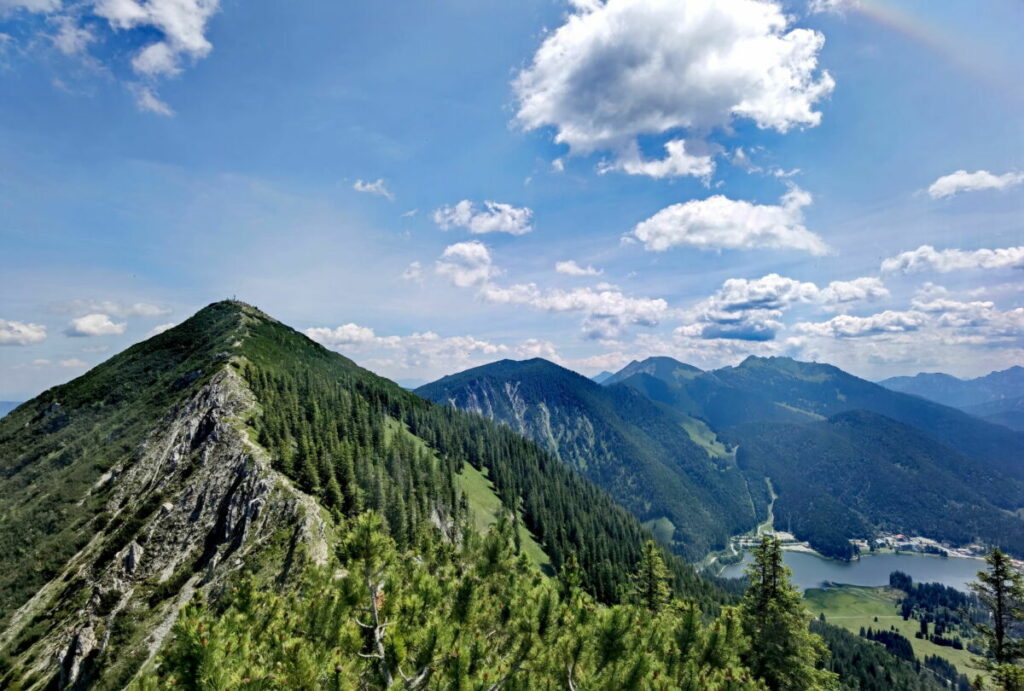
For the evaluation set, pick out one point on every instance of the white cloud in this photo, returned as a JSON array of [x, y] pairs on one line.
[[861, 289], [740, 159], [495, 217], [678, 162], [410, 213], [962, 181], [156, 59], [21, 333], [169, 33], [94, 325], [571, 268], [847, 326], [622, 69], [533, 347], [147, 100], [751, 310], [160, 328], [413, 272], [346, 334], [70, 38], [72, 362], [927, 257], [466, 264], [41, 362], [114, 308], [182, 24], [376, 187], [974, 314], [605, 312], [722, 223], [424, 354]]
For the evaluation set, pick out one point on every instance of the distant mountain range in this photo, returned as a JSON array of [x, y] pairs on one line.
[[997, 397], [847, 457]]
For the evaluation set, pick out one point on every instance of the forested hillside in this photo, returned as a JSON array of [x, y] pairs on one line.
[[857, 472], [826, 390], [849, 457], [666, 467]]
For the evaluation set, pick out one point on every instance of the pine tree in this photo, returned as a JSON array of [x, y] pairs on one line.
[[1001, 590], [783, 652], [651, 582]]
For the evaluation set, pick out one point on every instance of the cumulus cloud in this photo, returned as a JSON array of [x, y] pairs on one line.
[[751, 310], [864, 289], [605, 311], [160, 328], [622, 69], [15, 333], [847, 326], [424, 354], [71, 39], [114, 308], [958, 314], [94, 325], [168, 33], [466, 264], [72, 362], [147, 100], [495, 217], [346, 334], [927, 257], [571, 268], [678, 162], [722, 223], [181, 24], [376, 187], [938, 331], [962, 181]]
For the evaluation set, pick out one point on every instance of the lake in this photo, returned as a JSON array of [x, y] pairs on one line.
[[810, 571]]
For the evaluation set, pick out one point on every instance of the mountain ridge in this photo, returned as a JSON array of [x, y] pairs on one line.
[[230, 447], [763, 405], [637, 449]]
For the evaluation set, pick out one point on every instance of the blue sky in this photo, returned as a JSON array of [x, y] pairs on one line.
[[842, 180]]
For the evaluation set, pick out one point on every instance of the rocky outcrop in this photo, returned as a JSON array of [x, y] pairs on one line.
[[198, 502]]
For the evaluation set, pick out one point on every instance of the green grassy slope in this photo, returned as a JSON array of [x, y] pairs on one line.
[[853, 607]]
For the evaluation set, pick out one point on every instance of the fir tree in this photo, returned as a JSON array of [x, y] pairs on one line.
[[1001, 590], [651, 581], [783, 652]]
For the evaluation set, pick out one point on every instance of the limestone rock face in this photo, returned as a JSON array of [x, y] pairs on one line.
[[197, 502]]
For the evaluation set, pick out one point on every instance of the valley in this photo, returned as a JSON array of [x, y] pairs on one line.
[[833, 459]]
